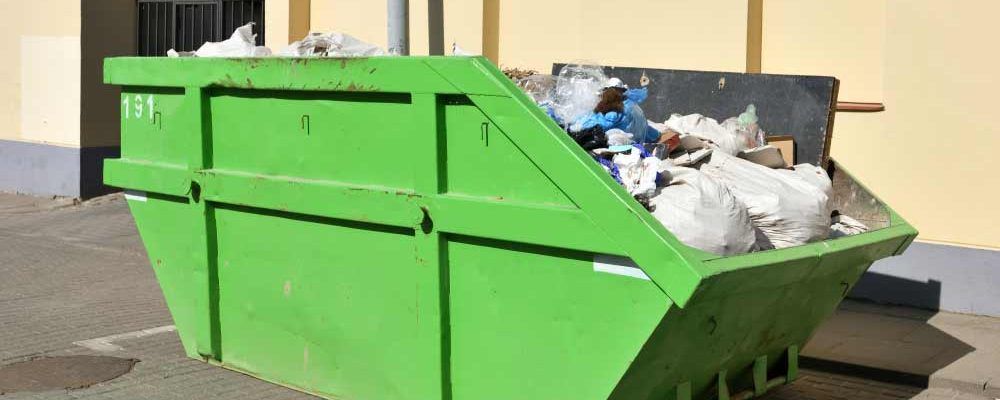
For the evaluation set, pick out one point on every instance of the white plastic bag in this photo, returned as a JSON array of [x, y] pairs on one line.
[[241, 44], [638, 174], [618, 137], [332, 44], [723, 137], [815, 176], [703, 214], [459, 52], [789, 207], [732, 136]]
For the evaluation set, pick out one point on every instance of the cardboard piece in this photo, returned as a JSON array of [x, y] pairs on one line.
[[767, 155], [785, 144]]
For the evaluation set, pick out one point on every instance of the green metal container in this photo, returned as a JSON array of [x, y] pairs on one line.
[[416, 228]]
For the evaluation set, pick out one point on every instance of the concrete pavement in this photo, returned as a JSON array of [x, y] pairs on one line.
[[78, 273], [944, 350]]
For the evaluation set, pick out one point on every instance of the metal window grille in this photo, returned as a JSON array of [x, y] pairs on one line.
[[184, 25]]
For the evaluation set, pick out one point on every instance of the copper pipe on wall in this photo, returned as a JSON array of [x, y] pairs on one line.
[[851, 106]]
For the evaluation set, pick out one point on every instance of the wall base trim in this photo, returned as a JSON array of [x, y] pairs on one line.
[[936, 277], [48, 170]]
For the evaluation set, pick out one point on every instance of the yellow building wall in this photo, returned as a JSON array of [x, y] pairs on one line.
[[40, 71], [929, 155], [702, 34], [286, 21], [843, 38], [366, 20], [680, 34], [276, 20]]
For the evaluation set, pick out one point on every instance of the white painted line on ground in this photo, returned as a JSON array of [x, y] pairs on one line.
[[105, 343]]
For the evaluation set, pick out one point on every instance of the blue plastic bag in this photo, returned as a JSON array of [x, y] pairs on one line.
[[633, 120]]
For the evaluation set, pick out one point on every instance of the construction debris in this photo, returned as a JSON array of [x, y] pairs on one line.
[[843, 225], [243, 43], [332, 44], [516, 74]]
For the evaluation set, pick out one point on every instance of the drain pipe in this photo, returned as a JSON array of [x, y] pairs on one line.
[[399, 27]]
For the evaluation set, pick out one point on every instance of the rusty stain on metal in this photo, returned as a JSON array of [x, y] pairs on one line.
[[353, 87]]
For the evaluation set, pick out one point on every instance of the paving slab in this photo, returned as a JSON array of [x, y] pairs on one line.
[[73, 273], [953, 351]]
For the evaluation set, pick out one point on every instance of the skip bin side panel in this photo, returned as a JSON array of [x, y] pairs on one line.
[[695, 344], [151, 123], [165, 224], [673, 267], [532, 322], [341, 137], [761, 308], [483, 162], [329, 306]]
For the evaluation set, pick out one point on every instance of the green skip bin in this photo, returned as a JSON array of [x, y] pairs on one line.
[[417, 228]]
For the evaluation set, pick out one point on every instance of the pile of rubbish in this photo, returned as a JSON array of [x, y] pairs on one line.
[[243, 43], [718, 187]]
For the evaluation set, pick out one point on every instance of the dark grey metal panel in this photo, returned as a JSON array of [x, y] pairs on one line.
[[800, 106]]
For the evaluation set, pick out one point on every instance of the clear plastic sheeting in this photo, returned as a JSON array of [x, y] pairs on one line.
[[577, 91], [746, 127], [539, 87], [241, 44], [703, 214], [332, 44]]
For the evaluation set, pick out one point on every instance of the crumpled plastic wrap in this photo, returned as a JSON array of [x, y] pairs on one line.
[[241, 44], [539, 87], [334, 44], [577, 91]]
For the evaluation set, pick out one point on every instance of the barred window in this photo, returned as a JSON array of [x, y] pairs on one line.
[[184, 25]]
